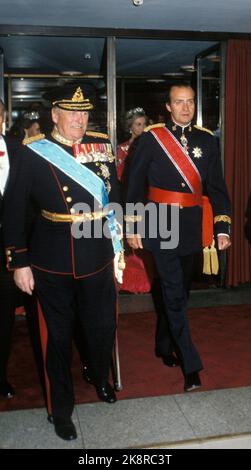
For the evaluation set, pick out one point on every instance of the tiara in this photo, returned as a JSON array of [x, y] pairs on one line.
[[133, 111], [33, 115]]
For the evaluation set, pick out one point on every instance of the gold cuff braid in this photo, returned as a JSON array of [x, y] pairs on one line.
[[222, 218]]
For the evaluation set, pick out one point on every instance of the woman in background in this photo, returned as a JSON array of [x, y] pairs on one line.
[[25, 127], [135, 123], [138, 274]]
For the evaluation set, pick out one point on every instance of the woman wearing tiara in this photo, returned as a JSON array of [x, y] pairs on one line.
[[137, 276]]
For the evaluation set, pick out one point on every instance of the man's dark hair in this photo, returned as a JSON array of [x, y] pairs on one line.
[[179, 84]]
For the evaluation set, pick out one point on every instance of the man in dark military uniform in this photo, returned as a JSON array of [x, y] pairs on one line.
[[8, 290], [69, 178], [10, 296], [177, 166]]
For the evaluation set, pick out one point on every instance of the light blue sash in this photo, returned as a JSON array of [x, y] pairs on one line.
[[86, 178]]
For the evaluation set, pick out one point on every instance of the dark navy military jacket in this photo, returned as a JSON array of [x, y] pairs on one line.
[[152, 167], [51, 246], [12, 146]]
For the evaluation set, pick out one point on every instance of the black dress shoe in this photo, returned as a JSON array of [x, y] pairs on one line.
[[192, 381], [6, 390], [106, 393], [171, 361], [64, 428], [86, 375]]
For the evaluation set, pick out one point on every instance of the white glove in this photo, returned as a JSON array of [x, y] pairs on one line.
[[119, 266]]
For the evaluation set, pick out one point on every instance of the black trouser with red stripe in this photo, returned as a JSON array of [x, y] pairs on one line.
[[61, 297]]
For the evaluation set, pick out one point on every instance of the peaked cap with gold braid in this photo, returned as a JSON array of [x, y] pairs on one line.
[[72, 100]]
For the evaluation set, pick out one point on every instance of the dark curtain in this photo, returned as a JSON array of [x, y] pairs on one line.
[[238, 154]]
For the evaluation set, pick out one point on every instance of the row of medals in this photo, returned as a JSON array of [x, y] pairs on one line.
[[99, 154]]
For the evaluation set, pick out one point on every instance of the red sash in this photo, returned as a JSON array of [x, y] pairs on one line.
[[179, 158], [190, 174]]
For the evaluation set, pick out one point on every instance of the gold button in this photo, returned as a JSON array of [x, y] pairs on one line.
[[65, 188], [183, 185], [8, 252], [72, 210], [68, 199], [9, 258]]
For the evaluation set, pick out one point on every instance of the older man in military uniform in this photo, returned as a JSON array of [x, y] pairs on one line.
[[70, 273], [179, 165]]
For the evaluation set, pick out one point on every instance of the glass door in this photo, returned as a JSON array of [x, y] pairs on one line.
[[210, 88], [210, 67]]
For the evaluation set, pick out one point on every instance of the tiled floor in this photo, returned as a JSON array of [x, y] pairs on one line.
[[215, 419]]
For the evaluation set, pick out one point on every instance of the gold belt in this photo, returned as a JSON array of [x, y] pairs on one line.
[[72, 218]]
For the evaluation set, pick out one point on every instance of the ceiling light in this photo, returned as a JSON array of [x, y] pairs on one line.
[[137, 3], [188, 68], [173, 74], [70, 73], [214, 58], [155, 80]]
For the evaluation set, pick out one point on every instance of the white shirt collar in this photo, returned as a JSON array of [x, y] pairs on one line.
[[4, 165]]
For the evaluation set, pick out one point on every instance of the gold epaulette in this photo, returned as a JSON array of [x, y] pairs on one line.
[[29, 140], [148, 128], [203, 129], [222, 218], [97, 134]]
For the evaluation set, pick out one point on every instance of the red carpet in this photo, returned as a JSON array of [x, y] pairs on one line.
[[221, 334]]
